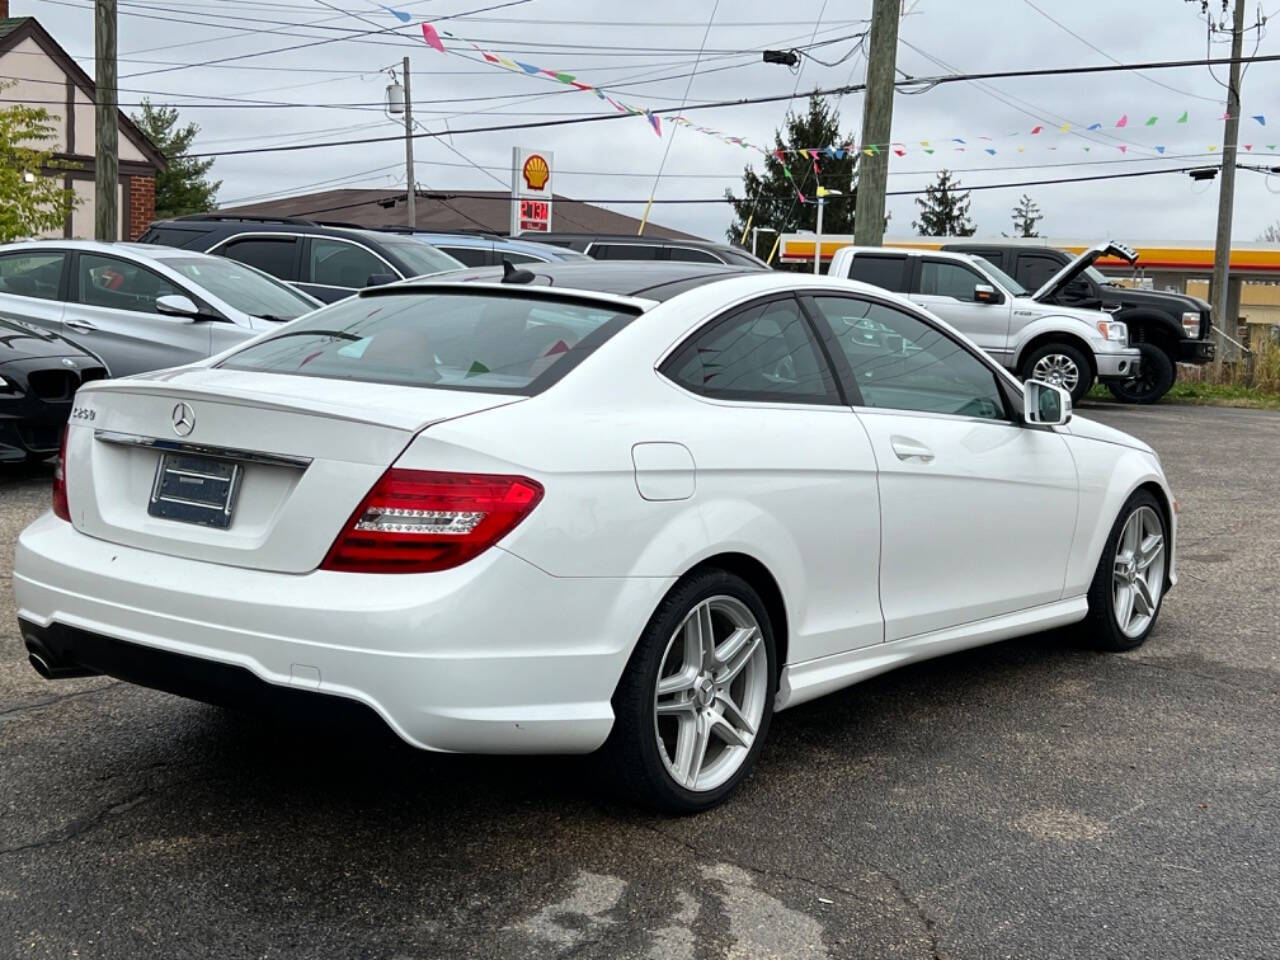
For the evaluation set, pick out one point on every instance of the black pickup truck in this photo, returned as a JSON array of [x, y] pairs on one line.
[[1169, 328]]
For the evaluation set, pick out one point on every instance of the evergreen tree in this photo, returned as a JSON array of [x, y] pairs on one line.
[[183, 187], [944, 210], [1025, 217], [769, 199], [32, 200]]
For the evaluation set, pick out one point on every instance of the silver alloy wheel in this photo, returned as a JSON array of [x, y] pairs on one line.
[[710, 697], [1138, 576], [1058, 369]]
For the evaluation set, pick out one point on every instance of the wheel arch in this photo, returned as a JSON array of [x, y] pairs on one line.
[[1153, 328], [1057, 336], [755, 573], [1165, 503]]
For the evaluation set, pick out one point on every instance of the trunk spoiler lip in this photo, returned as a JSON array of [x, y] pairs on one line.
[[1108, 248], [141, 387]]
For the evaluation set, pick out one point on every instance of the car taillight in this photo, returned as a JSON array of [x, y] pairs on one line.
[[417, 521], [60, 506]]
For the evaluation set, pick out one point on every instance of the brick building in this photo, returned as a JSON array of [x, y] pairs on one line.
[[49, 78]]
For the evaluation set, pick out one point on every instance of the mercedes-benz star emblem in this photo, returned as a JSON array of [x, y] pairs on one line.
[[184, 419]]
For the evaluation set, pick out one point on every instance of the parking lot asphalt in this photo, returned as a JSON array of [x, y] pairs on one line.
[[1025, 800]]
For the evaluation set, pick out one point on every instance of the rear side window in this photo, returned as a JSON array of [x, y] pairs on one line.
[[487, 342], [1035, 270], [171, 236], [765, 352], [887, 273], [512, 257], [624, 251], [273, 255], [36, 275]]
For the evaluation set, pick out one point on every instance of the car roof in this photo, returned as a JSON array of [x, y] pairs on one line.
[[141, 251], [649, 280], [229, 224]]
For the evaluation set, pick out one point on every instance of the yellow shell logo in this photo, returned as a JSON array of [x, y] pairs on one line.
[[536, 173]]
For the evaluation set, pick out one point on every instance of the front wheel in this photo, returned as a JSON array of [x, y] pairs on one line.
[[694, 705], [1128, 586], [1062, 365], [1155, 376]]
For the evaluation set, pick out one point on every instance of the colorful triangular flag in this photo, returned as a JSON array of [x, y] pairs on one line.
[[1260, 118], [1151, 121], [1183, 118], [431, 37], [1095, 126], [1123, 121]]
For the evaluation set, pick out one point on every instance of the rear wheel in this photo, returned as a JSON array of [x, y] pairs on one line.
[[694, 705], [1128, 586], [1062, 365], [1156, 375]]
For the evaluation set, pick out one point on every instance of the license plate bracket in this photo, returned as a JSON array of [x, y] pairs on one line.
[[195, 489]]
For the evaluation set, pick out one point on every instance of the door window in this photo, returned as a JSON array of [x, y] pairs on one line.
[[36, 275], [939, 278], [902, 363], [1035, 271], [887, 273], [624, 251], [336, 263], [764, 352], [469, 256], [273, 255], [512, 257], [690, 255], [121, 285]]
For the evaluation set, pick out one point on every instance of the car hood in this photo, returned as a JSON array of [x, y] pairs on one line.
[[21, 341], [1077, 266], [1088, 429], [1162, 300]]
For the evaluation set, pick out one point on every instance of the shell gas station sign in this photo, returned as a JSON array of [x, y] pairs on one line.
[[530, 191]]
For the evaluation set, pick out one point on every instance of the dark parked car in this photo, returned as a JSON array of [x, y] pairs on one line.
[[328, 262], [1168, 328], [39, 375], [628, 247]]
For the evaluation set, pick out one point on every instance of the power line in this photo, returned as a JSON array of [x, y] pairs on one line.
[[774, 98]]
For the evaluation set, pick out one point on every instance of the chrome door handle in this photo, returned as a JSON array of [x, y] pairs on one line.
[[904, 448], [80, 326]]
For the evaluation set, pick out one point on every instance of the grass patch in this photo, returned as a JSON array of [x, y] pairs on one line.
[[1207, 394]]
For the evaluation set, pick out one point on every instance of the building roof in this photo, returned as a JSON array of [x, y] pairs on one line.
[[14, 29], [445, 211]]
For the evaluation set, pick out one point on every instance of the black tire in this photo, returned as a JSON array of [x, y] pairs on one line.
[[1085, 382], [1100, 629], [1153, 381], [631, 754]]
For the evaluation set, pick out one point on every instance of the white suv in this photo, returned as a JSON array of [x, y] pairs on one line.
[[1065, 346]]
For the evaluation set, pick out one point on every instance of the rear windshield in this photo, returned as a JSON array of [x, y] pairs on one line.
[[486, 341]]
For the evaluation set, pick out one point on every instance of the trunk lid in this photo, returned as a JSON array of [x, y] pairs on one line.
[[1054, 285], [292, 456]]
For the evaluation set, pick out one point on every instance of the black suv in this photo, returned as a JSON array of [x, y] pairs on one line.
[[1169, 328], [327, 261], [603, 246]]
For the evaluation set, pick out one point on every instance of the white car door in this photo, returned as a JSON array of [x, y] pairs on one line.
[[31, 283], [977, 510], [946, 288], [112, 312]]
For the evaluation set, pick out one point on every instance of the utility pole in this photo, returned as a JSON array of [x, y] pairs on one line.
[[410, 183], [106, 127], [1227, 187], [877, 119]]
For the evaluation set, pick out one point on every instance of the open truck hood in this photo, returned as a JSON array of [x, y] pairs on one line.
[[1109, 248]]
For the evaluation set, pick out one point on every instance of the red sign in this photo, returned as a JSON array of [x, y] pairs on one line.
[[535, 215]]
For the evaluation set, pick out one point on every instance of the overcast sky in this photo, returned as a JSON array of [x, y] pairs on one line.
[[608, 43]]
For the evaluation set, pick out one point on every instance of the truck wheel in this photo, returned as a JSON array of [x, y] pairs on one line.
[[1062, 365], [1153, 380]]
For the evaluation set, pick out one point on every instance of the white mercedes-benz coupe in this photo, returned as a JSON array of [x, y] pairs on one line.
[[637, 507]]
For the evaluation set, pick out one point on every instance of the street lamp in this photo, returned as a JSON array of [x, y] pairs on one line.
[[823, 193]]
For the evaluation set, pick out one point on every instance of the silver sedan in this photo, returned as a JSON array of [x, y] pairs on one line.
[[141, 307]]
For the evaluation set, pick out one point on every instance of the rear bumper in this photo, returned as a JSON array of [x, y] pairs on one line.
[[494, 656], [1196, 351], [1121, 365]]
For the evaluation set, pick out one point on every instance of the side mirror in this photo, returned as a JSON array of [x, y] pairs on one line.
[[177, 305], [380, 279], [985, 293], [1045, 404]]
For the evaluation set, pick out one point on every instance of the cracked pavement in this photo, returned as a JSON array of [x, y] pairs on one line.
[[1024, 800]]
